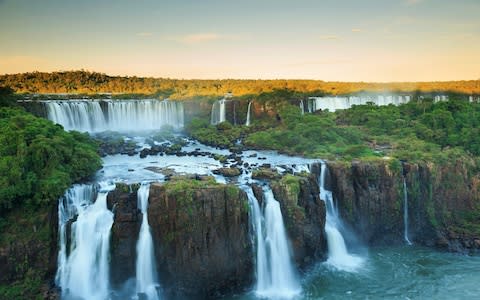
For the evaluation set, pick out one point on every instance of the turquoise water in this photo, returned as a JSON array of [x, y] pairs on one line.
[[408, 272]]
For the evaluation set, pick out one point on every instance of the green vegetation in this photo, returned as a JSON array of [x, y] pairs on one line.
[[39, 160], [6, 97], [416, 131], [83, 82], [310, 135], [420, 130], [222, 135], [183, 189]]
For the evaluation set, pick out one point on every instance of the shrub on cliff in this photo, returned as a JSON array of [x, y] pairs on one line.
[[39, 160], [222, 135]]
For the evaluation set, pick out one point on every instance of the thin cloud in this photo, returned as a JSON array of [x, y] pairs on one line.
[[330, 37], [198, 38], [356, 30]]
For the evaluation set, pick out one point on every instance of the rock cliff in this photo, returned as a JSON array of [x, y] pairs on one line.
[[443, 202]]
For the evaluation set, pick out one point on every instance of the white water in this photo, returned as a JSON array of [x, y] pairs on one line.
[[439, 98], [338, 256], [219, 113], [276, 278], [115, 115], [247, 123], [147, 279], [336, 103], [84, 273], [405, 212]]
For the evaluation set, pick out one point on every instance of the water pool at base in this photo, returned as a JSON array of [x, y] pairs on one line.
[[408, 272]]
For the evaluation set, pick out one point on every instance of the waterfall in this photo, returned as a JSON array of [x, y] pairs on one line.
[[77, 115], [338, 255], [275, 272], [218, 112], [405, 211], [147, 280], [346, 102], [302, 107], [115, 115], [83, 267], [247, 123]]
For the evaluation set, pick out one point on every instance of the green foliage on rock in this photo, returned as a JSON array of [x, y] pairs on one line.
[[310, 135], [39, 160], [416, 131], [223, 135], [6, 97]]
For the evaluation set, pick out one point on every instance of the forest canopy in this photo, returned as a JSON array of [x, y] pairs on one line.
[[84, 82], [39, 160]]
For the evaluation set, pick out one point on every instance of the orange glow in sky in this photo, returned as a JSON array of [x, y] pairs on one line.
[[342, 40]]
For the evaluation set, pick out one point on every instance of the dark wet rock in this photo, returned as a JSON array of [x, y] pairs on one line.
[[304, 216], [201, 239], [228, 172], [264, 173], [164, 171], [124, 233], [440, 196]]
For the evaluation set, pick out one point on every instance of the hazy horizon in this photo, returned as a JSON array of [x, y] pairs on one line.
[[374, 41]]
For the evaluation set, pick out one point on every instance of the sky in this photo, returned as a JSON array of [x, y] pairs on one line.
[[333, 40]]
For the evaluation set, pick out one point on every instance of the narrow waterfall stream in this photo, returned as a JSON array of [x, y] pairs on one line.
[[147, 279], [247, 122], [338, 255], [83, 267], [219, 112], [276, 278], [405, 212]]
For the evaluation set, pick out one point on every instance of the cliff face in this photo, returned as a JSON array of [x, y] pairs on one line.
[[124, 233], [304, 216], [443, 202], [201, 238], [369, 197], [200, 232], [28, 253]]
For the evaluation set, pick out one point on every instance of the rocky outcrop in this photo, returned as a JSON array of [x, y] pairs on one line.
[[28, 253], [201, 238], [443, 202], [124, 233], [304, 216], [370, 198]]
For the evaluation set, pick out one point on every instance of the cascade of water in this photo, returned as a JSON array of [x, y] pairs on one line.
[[302, 107], [118, 115], [247, 123], [338, 255], [276, 277], [405, 211], [147, 280], [336, 103], [77, 115], [83, 270], [219, 112]]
